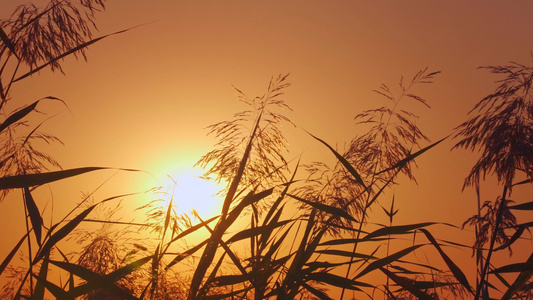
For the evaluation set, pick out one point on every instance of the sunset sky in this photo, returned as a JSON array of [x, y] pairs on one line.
[[144, 97]]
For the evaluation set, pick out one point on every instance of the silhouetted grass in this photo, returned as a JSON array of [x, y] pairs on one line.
[[325, 247]]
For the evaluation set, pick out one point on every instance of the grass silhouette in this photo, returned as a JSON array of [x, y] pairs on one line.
[[329, 245]]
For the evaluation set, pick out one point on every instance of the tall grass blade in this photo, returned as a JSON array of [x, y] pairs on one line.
[[456, 271], [400, 164], [43, 272], [94, 281], [406, 284], [35, 216], [61, 233], [8, 258], [335, 211], [344, 162], [21, 113], [514, 268], [387, 260], [57, 291], [520, 281], [523, 206], [260, 230], [19, 181], [185, 254], [5, 39], [69, 52], [395, 230], [321, 295], [338, 281], [514, 238]]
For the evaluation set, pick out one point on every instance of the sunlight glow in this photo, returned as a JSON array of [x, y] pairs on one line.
[[192, 192]]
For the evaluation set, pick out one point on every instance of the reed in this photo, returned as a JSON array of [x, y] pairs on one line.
[[327, 247]]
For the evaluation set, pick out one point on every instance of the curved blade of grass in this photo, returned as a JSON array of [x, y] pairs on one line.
[[57, 291], [403, 162], [69, 52], [186, 254], [520, 280], [35, 216], [394, 230], [456, 271], [523, 206], [387, 260], [406, 284], [94, 280], [39, 287], [337, 281], [61, 233], [514, 268], [189, 231], [8, 258], [513, 239], [523, 182], [321, 295], [19, 181], [344, 162], [21, 113], [344, 253], [325, 208], [260, 230]]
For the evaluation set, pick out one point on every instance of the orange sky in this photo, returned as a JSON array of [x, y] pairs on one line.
[[144, 97]]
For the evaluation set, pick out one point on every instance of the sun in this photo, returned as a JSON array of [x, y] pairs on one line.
[[190, 192]]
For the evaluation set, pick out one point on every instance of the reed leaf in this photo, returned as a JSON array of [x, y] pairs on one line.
[[19, 181], [61, 233], [344, 162], [406, 284], [35, 215], [402, 163], [38, 293], [57, 291], [21, 113], [185, 254], [94, 281], [520, 280], [387, 260], [255, 231], [394, 230], [335, 211], [522, 206], [514, 268], [335, 280], [15, 249], [456, 271], [69, 52], [321, 295]]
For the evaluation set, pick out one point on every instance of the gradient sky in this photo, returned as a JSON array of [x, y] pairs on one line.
[[144, 98]]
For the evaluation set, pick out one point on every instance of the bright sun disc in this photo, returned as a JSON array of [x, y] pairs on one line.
[[192, 192]]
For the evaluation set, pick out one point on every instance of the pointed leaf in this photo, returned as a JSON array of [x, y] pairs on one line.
[[344, 162], [325, 208], [94, 280], [406, 284], [514, 268], [69, 52], [255, 231], [456, 271], [400, 229], [35, 216], [19, 181], [8, 258], [387, 260], [523, 206], [61, 233], [403, 162]]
